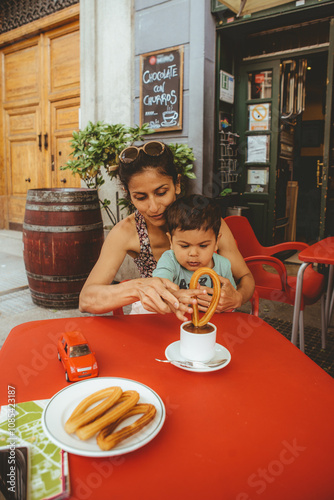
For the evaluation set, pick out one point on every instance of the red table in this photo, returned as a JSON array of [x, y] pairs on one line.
[[321, 252], [260, 428]]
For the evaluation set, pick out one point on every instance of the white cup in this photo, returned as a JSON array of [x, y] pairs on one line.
[[198, 346]]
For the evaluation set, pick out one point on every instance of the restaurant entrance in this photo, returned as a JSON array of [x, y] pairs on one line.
[[281, 110], [283, 115]]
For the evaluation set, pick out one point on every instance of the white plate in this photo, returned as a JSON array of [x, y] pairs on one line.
[[62, 404], [173, 354]]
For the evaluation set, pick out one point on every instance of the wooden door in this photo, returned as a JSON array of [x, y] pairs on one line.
[[41, 98], [23, 155], [62, 90], [22, 124], [64, 119]]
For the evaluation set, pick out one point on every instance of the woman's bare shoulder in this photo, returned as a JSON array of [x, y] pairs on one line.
[[124, 233]]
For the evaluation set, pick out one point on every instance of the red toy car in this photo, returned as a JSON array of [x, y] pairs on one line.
[[78, 359]]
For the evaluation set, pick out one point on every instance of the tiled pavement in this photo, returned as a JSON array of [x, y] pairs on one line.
[[16, 306], [323, 357]]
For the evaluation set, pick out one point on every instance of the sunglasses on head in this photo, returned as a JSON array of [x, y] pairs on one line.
[[152, 148]]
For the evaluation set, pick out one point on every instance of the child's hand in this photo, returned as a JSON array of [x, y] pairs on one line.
[[230, 298], [186, 299]]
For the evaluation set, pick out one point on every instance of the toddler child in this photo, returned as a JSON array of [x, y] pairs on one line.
[[193, 224]]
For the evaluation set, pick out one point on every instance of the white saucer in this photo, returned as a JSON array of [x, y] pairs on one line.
[[172, 353]]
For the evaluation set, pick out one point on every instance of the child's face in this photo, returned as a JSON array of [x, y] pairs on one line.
[[194, 249]]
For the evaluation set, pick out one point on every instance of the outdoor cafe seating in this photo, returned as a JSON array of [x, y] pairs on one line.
[[277, 285]]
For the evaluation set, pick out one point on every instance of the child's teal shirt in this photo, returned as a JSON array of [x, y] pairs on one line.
[[168, 267]]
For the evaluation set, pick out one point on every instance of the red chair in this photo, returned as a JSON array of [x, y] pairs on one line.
[[277, 287]]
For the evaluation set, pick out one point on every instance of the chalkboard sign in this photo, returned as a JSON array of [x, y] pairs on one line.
[[161, 89]]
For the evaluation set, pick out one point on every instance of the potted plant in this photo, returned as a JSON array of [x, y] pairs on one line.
[[96, 149]]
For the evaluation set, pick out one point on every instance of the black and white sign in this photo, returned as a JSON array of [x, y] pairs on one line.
[[161, 89]]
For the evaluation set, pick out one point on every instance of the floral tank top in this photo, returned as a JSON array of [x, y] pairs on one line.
[[145, 262]]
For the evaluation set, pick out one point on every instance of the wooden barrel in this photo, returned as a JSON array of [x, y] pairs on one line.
[[62, 238]]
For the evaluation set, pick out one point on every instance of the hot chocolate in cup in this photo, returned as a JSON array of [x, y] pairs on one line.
[[198, 343]]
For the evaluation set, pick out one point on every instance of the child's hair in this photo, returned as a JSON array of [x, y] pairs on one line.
[[193, 212], [164, 163]]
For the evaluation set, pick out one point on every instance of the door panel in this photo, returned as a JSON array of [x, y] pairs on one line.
[[23, 157], [22, 71], [64, 119], [64, 54], [22, 154]]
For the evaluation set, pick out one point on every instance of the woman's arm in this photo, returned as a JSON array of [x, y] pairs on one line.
[[98, 296], [231, 298], [242, 275]]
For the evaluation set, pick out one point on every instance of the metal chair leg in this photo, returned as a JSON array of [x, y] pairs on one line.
[[329, 293], [324, 324], [298, 298], [301, 331], [330, 310], [330, 299]]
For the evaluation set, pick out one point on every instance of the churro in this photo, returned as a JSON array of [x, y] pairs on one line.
[[124, 404], [107, 439], [215, 297], [104, 418], [80, 416]]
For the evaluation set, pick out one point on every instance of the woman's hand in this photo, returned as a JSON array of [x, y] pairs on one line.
[[162, 296], [230, 298], [186, 298], [156, 294]]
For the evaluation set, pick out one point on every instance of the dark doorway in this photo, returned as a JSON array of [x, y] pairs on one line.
[[309, 148]]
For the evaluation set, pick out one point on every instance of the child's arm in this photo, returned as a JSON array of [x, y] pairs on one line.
[[228, 287], [227, 300]]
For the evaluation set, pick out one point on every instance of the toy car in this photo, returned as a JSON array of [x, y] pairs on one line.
[[77, 357]]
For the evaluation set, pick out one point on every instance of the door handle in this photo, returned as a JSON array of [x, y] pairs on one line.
[[319, 184], [40, 141], [63, 180], [28, 179], [46, 143]]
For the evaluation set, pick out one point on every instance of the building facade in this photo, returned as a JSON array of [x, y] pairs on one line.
[[245, 98]]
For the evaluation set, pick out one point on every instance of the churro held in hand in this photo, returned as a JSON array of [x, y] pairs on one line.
[[215, 298]]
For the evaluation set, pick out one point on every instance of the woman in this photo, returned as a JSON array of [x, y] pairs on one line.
[[151, 180]]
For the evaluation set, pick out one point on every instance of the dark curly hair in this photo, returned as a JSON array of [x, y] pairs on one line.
[[193, 212]]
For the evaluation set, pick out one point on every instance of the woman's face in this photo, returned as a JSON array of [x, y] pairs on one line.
[[151, 193]]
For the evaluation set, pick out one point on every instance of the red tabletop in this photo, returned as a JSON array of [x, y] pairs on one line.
[[321, 252], [260, 428]]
